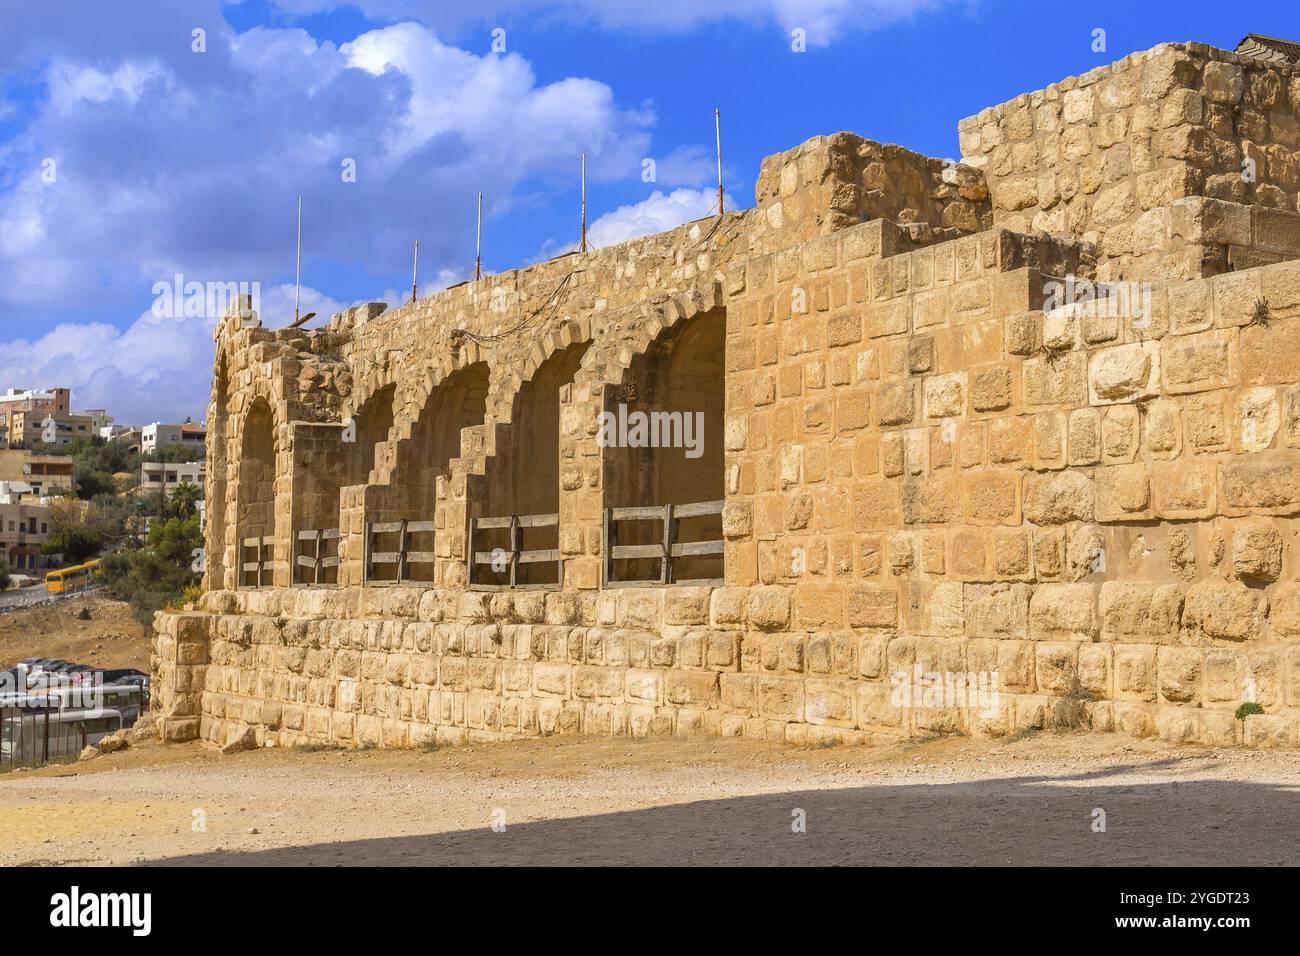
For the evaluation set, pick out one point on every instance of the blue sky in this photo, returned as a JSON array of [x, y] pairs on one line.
[[166, 160]]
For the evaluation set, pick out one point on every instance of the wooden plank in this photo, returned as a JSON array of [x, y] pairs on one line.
[[332, 562], [305, 562], [493, 522], [652, 513], [306, 535], [421, 527], [608, 538], [384, 557], [537, 521], [401, 552], [516, 537], [533, 557], [469, 551], [487, 557], [421, 557], [329, 534], [698, 509], [624, 552], [691, 548], [365, 556], [670, 528], [252, 542], [319, 567], [251, 565], [385, 527]]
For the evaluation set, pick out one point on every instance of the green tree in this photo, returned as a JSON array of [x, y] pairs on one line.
[[154, 576], [4, 574], [186, 497]]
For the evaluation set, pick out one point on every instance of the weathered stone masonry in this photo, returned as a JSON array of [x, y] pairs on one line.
[[917, 464]]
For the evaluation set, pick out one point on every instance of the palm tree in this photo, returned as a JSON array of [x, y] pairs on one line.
[[185, 498]]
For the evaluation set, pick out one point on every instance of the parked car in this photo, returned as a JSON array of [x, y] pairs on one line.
[[116, 674]]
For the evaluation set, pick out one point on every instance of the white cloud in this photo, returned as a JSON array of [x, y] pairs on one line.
[[655, 213], [821, 19], [159, 171], [157, 369]]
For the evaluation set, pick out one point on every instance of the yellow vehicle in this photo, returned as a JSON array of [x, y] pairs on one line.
[[76, 578]]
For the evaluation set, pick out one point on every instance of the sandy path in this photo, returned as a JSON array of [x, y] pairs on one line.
[[944, 802]]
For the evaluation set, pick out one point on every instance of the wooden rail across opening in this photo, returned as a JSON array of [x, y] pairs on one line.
[[262, 568], [513, 554], [665, 550], [403, 557], [317, 563]]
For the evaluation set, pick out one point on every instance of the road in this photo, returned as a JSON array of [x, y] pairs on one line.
[[949, 802]]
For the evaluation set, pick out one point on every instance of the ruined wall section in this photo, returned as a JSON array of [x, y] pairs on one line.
[[833, 182], [302, 377], [1106, 155]]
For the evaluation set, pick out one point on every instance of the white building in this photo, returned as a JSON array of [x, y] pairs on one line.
[[159, 474], [160, 435]]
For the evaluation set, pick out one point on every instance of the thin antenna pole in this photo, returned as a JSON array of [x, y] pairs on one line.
[[415, 269], [717, 132], [478, 242], [583, 246], [297, 270]]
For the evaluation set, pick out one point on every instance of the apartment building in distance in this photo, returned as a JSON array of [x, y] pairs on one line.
[[160, 435], [26, 472], [65, 429], [156, 475], [34, 401], [24, 530]]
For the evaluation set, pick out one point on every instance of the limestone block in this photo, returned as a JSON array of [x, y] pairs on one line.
[[1123, 373], [1221, 611]]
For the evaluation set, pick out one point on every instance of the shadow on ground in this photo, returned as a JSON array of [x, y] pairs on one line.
[[1007, 821]]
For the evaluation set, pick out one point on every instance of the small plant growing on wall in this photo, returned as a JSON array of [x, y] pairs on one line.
[[1248, 708]]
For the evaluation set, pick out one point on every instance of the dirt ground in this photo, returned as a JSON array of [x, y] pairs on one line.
[[111, 638], [667, 802]]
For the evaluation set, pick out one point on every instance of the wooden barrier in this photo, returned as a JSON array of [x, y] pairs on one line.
[[665, 550]]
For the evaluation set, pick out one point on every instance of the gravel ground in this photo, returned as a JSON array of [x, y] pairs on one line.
[[677, 802]]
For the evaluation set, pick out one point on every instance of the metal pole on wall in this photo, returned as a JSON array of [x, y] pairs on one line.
[[478, 242], [583, 245], [415, 270], [717, 132], [297, 269]]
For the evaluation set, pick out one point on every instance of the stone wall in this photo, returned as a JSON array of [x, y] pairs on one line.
[[1103, 155], [923, 473]]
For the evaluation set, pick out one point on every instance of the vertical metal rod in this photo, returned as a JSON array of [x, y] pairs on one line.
[[297, 269], [415, 270], [717, 132], [478, 242], [583, 246]]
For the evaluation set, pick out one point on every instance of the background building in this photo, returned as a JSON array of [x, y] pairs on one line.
[[43, 474], [160, 435], [41, 402], [24, 530], [157, 474], [65, 429]]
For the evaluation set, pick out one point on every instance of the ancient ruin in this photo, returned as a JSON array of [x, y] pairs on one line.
[[910, 447]]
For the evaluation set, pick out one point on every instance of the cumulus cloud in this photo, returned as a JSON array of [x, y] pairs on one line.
[[655, 213], [159, 368], [159, 169], [821, 19]]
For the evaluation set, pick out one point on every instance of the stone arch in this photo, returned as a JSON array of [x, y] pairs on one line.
[[522, 476], [423, 459], [327, 459], [255, 488], [662, 436]]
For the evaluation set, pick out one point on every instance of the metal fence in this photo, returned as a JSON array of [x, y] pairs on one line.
[[33, 736]]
